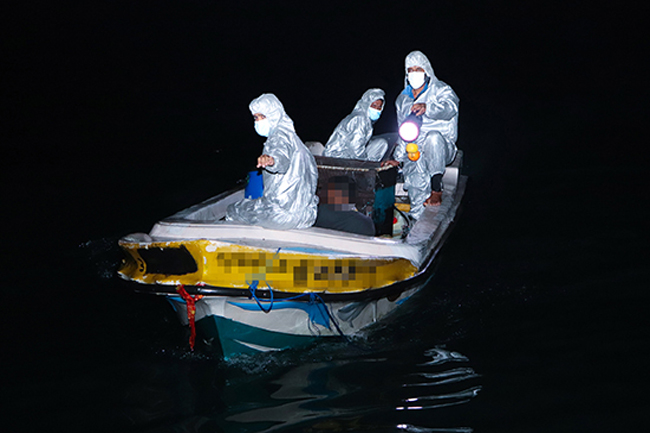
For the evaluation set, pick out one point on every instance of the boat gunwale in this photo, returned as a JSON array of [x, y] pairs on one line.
[[362, 295]]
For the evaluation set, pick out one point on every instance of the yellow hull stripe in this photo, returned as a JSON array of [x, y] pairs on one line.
[[227, 265]]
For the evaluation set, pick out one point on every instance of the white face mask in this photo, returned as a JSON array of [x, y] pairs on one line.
[[263, 127], [416, 79]]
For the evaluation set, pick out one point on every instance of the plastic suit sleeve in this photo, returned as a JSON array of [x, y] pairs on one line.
[[403, 107], [359, 135], [278, 146], [442, 105], [399, 154]]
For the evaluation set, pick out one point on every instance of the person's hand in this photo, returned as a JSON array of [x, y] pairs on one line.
[[390, 162], [264, 161], [419, 109]]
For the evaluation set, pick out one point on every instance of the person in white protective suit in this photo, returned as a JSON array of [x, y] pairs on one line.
[[352, 137], [424, 161], [290, 175]]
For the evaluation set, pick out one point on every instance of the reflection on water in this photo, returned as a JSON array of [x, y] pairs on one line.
[[414, 429], [434, 380], [296, 399], [391, 393]]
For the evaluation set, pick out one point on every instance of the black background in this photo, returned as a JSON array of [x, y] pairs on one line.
[[117, 114]]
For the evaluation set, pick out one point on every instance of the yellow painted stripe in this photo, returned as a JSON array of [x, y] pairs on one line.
[[404, 207], [236, 266]]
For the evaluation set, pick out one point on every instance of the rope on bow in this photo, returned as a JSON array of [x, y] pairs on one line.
[[190, 301]]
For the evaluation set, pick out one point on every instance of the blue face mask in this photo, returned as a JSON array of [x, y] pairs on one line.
[[262, 127], [374, 114]]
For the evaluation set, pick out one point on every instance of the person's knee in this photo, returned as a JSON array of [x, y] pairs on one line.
[[379, 143], [441, 152], [376, 149], [435, 139]]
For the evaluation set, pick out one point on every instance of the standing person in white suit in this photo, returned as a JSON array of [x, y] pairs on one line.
[[425, 158]]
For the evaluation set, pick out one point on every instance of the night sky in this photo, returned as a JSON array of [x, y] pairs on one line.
[[113, 85]]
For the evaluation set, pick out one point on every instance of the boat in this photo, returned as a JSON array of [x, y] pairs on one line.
[[248, 289]]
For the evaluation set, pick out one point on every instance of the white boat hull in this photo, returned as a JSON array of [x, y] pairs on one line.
[[246, 325]]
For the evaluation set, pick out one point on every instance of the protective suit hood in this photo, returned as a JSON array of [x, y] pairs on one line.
[[417, 58], [368, 97], [271, 107]]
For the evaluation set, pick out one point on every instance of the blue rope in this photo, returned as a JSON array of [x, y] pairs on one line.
[[252, 288], [313, 297], [329, 314]]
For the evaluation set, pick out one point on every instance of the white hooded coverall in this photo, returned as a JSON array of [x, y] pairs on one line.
[[289, 200], [352, 137], [438, 133]]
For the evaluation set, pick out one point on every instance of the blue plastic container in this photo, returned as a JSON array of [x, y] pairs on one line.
[[255, 185]]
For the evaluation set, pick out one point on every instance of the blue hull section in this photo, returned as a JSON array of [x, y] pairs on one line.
[[237, 338]]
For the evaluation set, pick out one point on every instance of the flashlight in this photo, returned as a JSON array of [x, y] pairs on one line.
[[409, 130]]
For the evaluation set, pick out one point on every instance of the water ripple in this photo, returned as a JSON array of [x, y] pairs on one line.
[[362, 394]]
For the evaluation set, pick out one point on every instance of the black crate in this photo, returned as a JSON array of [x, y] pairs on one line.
[[375, 187]]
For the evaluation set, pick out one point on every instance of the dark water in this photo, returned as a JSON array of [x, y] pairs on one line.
[[123, 113]]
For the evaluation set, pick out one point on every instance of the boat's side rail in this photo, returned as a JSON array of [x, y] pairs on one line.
[[325, 241], [209, 211]]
